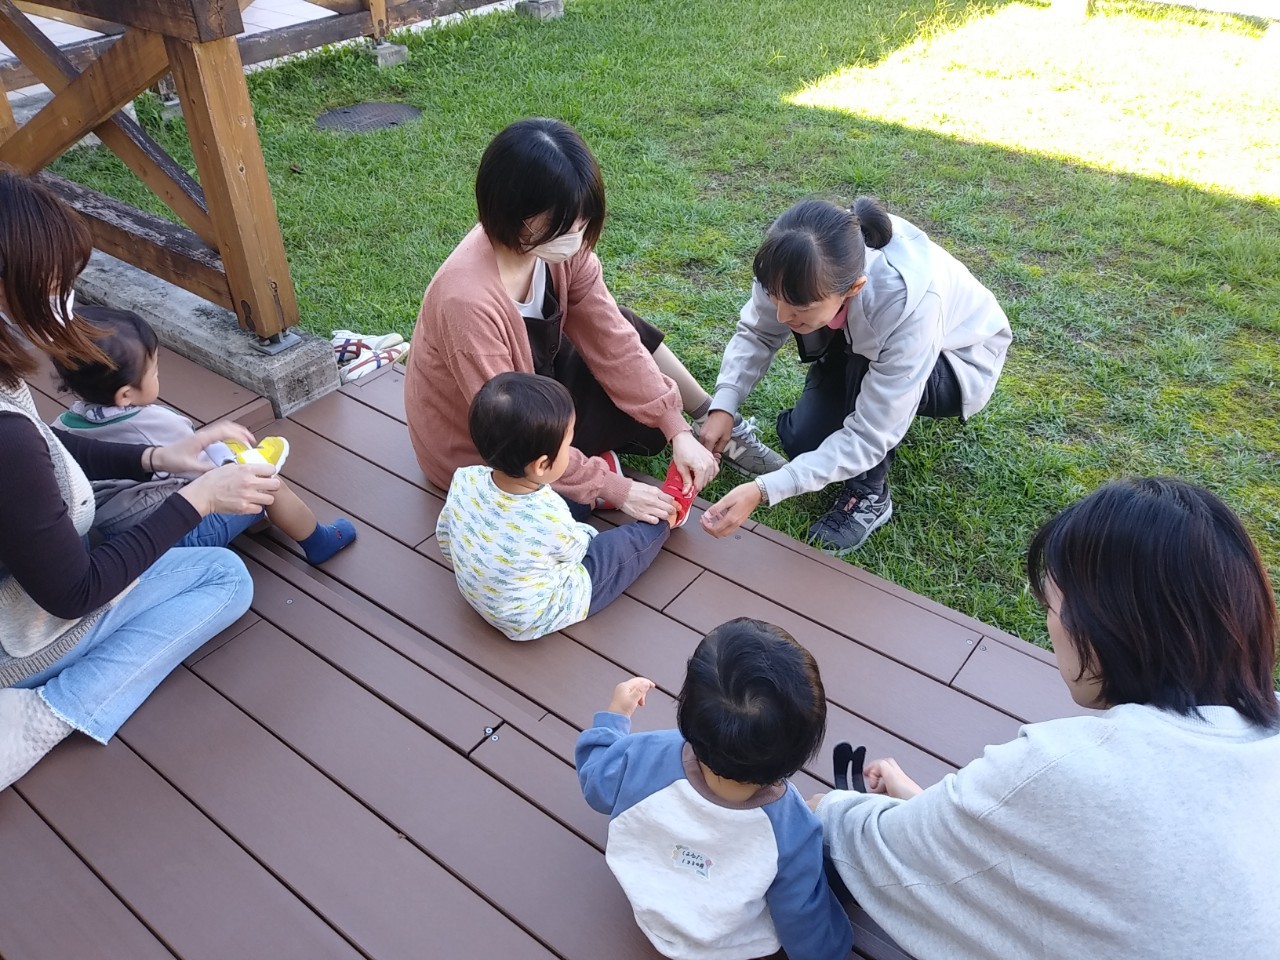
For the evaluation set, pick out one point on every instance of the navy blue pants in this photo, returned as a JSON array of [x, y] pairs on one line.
[[830, 394], [617, 557]]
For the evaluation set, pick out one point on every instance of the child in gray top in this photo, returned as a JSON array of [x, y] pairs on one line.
[[118, 404]]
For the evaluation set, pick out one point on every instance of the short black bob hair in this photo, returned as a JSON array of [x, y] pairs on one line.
[[126, 340], [1164, 598], [818, 249], [752, 706], [538, 166], [518, 417]]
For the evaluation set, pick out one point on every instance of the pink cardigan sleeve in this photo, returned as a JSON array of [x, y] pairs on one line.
[[613, 351]]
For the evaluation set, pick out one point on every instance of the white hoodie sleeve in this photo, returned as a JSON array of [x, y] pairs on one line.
[[887, 403], [746, 360]]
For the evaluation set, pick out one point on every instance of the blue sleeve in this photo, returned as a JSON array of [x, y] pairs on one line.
[[601, 759], [810, 921]]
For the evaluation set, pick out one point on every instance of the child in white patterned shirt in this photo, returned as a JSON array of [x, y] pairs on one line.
[[520, 558]]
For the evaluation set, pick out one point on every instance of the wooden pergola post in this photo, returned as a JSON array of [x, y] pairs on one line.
[[231, 250]]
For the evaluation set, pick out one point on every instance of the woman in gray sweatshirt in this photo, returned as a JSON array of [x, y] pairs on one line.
[[1150, 830], [894, 327]]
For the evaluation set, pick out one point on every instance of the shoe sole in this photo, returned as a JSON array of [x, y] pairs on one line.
[[842, 551], [279, 464]]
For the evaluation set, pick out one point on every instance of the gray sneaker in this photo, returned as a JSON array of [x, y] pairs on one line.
[[857, 512], [745, 452]]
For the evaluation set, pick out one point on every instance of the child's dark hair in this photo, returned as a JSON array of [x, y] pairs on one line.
[[538, 166], [818, 249], [518, 417], [752, 706], [1164, 598], [126, 340]]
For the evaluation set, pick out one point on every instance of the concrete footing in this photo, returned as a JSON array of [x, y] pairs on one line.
[[390, 54], [209, 335], [541, 9]]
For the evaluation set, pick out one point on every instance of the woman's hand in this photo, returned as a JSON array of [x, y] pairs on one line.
[[184, 456], [716, 430], [732, 510], [694, 461], [885, 776], [233, 488], [647, 503], [629, 694]]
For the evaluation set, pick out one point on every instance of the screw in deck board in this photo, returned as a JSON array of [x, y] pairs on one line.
[[541, 9]]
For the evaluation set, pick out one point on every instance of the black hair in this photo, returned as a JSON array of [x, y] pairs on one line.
[[128, 343], [518, 417], [817, 249], [538, 166], [752, 705], [1164, 597]]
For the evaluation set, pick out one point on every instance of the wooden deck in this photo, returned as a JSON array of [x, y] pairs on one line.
[[361, 767]]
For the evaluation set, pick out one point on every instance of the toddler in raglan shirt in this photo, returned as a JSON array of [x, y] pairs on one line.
[[711, 843]]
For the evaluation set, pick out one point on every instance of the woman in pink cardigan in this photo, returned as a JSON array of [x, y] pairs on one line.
[[524, 291]]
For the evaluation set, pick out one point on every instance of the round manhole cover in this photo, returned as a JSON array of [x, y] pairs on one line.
[[363, 117]]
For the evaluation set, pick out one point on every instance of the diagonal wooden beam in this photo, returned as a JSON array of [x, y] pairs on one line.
[[189, 19], [147, 159], [136, 61], [146, 241], [224, 139], [65, 16], [7, 123]]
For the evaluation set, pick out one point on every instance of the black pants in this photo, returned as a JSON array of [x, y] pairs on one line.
[[830, 394], [600, 424]]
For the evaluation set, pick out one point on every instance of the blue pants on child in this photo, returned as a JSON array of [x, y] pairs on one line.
[[617, 557], [219, 529]]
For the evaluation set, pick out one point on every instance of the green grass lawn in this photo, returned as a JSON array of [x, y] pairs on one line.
[[1114, 181]]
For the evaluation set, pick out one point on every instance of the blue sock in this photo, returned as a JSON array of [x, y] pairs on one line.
[[328, 539]]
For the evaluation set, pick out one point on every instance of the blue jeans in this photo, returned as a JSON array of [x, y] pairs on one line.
[[617, 557], [219, 529], [183, 599]]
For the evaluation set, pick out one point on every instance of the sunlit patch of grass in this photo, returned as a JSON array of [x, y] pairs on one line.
[[1159, 96]]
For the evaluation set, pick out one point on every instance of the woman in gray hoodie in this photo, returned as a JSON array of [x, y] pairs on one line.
[[894, 327]]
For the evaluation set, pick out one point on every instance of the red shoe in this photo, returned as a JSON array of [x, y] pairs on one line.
[[675, 486]]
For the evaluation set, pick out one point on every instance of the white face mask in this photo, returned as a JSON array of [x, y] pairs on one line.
[[561, 248]]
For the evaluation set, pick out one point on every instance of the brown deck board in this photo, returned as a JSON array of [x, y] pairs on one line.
[[52, 905], [303, 827], [919, 709], [200, 892], [385, 392], [323, 779], [358, 487], [509, 702], [426, 597], [908, 633], [527, 864], [1025, 686], [364, 431]]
